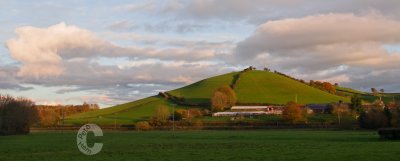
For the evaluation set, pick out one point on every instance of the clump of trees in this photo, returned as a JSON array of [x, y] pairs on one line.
[[16, 115], [224, 97], [325, 86], [377, 116], [292, 113]]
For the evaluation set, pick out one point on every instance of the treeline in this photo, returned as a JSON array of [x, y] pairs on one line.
[[325, 86], [237, 76], [52, 115], [16, 115]]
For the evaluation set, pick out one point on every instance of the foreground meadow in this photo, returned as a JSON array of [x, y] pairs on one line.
[[205, 145]]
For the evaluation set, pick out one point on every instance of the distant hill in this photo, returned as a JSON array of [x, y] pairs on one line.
[[252, 87]]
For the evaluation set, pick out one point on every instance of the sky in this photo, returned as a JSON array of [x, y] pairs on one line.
[[112, 52]]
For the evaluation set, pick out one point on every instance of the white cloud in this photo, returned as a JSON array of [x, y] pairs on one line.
[[39, 49], [46, 52]]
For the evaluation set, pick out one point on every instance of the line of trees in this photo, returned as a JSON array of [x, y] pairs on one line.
[[16, 115], [325, 86], [52, 115]]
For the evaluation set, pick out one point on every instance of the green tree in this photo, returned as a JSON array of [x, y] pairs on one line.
[[374, 91], [356, 104]]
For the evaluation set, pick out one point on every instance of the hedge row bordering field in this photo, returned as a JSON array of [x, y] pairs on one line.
[[389, 133]]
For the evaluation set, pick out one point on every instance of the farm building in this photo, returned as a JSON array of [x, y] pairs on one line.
[[251, 111], [243, 113]]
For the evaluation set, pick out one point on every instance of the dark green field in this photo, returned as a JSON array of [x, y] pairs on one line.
[[206, 145]]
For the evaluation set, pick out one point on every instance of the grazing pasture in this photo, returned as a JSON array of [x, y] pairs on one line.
[[280, 145]]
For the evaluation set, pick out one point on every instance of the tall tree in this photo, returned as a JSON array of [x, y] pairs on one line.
[[219, 101]]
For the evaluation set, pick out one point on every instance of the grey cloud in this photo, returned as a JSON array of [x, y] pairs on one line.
[[260, 11]]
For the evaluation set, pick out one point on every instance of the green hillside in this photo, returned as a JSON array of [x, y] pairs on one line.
[[127, 113], [267, 87], [252, 87], [202, 91]]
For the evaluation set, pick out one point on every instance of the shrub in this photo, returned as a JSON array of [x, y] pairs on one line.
[[389, 133], [143, 126]]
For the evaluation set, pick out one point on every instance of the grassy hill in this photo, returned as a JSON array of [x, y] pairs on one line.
[[267, 87], [258, 87], [252, 87]]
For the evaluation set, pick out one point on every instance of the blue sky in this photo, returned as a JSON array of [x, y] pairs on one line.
[[110, 52]]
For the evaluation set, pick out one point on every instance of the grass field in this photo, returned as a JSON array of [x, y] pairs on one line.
[[279, 145]]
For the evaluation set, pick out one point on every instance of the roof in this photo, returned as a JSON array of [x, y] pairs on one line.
[[248, 107], [239, 113]]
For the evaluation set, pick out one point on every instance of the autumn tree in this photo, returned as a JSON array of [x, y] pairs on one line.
[[219, 101], [343, 113], [329, 87], [292, 112], [223, 97]]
